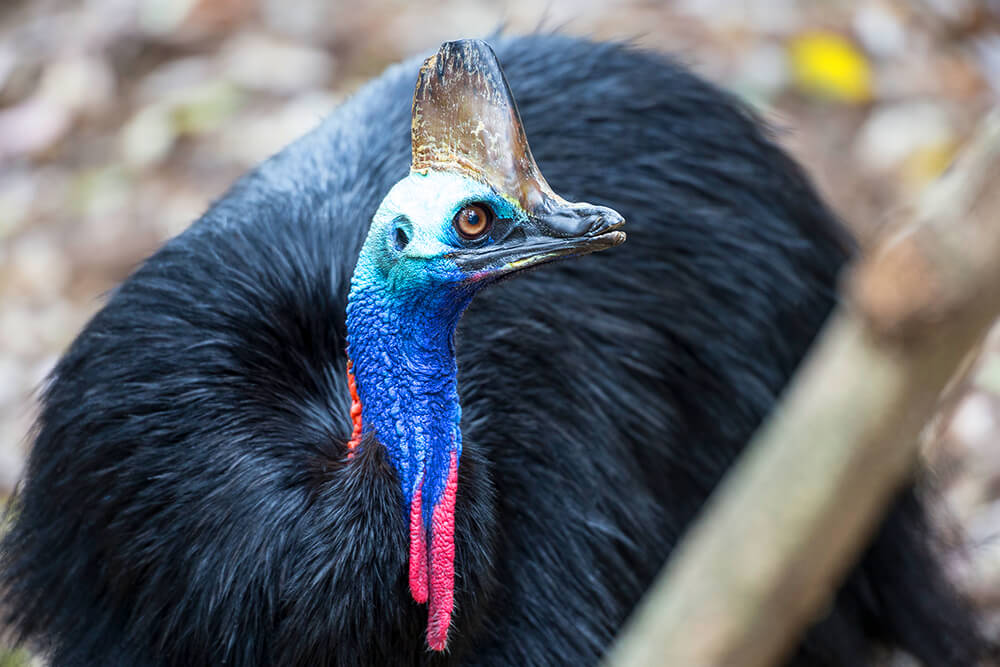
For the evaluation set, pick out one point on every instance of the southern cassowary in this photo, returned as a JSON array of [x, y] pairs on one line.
[[279, 444]]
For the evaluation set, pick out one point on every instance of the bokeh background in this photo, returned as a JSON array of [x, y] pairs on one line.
[[121, 120]]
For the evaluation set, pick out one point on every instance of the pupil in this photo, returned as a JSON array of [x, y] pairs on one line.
[[472, 218]]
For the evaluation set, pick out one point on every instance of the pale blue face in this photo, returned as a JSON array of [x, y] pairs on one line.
[[413, 239]]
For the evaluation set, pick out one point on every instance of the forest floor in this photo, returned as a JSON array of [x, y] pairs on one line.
[[121, 120]]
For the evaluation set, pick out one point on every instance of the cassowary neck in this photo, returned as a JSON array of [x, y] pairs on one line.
[[403, 364]]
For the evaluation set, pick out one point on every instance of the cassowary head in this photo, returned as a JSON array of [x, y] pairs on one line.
[[473, 209]]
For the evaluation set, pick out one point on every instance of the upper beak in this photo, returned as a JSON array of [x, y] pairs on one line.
[[558, 229]]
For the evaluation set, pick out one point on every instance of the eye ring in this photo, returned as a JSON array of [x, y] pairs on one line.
[[474, 221]]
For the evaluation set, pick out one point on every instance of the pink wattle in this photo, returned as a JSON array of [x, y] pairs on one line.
[[442, 566], [418, 549]]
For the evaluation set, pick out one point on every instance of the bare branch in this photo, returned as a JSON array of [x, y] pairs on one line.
[[775, 540]]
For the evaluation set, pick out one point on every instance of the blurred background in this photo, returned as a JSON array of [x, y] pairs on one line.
[[121, 120]]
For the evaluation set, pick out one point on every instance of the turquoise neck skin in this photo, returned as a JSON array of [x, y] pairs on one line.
[[404, 365]]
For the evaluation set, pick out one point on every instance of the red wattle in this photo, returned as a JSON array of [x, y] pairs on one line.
[[442, 566], [355, 410], [418, 549]]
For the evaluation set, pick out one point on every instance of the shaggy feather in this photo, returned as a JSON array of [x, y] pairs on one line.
[[188, 501]]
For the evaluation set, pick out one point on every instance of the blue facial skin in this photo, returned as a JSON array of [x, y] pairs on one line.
[[405, 301]]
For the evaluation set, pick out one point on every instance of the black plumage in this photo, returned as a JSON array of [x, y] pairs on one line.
[[188, 499]]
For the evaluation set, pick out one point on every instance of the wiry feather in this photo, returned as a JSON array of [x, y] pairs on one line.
[[187, 499]]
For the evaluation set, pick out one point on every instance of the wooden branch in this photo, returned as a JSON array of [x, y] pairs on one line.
[[774, 541]]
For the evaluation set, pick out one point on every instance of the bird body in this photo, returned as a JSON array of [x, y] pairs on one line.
[[226, 462]]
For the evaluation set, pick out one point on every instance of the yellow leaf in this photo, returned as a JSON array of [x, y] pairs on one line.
[[926, 164], [827, 65]]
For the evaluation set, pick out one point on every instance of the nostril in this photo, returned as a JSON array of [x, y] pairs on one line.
[[578, 220], [597, 223], [568, 222], [603, 219]]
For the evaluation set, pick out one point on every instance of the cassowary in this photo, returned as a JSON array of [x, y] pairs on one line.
[[281, 441]]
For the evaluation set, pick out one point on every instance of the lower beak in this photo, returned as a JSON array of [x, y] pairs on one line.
[[561, 230]]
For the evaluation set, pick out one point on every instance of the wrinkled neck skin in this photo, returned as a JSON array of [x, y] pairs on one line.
[[400, 334], [403, 362]]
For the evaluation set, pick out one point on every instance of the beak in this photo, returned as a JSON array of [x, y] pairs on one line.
[[555, 230]]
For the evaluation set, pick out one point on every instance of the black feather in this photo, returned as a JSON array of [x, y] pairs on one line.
[[188, 500]]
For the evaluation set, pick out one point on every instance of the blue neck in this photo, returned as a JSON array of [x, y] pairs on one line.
[[407, 295], [404, 365]]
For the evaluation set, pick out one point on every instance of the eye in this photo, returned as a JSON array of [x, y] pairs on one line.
[[473, 221]]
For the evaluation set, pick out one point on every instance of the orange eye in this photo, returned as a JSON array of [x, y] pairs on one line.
[[473, 221]]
